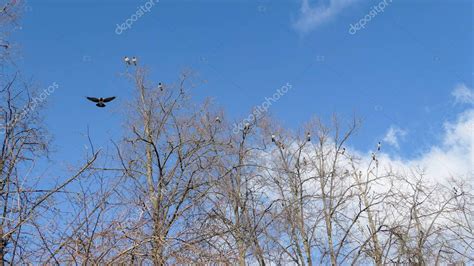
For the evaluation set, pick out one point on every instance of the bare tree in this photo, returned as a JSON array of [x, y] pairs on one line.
[[23, 144], [167, 158]]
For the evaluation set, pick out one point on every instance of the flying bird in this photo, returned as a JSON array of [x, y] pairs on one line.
[[134, 60], [126, 60], [100, 101], [308, 137]]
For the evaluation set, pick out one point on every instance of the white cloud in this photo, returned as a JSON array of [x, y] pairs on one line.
[[462, 94], [312, 17], [455, 156], [393, 136], [452, 157]]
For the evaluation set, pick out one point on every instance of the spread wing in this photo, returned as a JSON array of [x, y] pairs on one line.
[[106, 100], [92, 99]]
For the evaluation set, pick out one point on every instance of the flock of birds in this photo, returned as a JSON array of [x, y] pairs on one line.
[[100, 102], [343, 150]]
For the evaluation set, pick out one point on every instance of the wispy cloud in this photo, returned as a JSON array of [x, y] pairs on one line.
[[311, 17], [453, 157], [462, 94], [393, 136]]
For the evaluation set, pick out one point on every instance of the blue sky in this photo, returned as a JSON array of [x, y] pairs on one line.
[[400, 71]]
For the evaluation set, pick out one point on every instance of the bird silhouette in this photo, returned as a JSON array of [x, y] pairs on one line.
[[134, 60], [308, 137], [160, 86], [100, 101], [379, 145], [218, 119], [273, 138], [126, 60]]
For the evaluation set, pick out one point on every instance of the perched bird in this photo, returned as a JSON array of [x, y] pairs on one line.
[[455, 191], [126, 60], [100, 101], [247, 126], [218, 119], [281, 145], [273, 138], [373, 156], [343, 150], [134, 60], [379, 145], [160, 86], [308, 137]]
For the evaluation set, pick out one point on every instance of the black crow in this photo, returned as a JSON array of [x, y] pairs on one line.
[[100, 101]]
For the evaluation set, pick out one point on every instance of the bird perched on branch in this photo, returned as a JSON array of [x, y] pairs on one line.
[[100, 101], [308, 137], [246, 127], [281, 145], [379, 145], [134, 60], [160, 86], [273, 138], [126, 60], [218, 120]]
